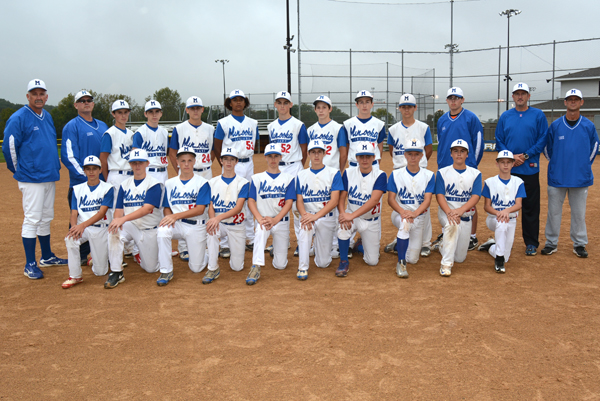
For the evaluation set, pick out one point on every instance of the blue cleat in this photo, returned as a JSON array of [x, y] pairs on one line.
[[164, 279], [33, 272], [53, 261]]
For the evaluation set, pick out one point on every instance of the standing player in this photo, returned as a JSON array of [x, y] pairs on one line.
[[503, 195], [571, 149], [91, 212], [186, 198], [457, 189], [137, 215], [363, 187], [522, 130], [116, 145], [410, 190], [460, 123], [318, 191], [30, 152], [271, 196], [228, 195], [154, 140], [407, 129]]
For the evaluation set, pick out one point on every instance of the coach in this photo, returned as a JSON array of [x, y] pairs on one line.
[[522, 130]]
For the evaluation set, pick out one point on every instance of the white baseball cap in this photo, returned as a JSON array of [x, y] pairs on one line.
[[229, 151], [138, 155], [92, 161], [83, 93], [574, 92], [273, 149], [365, 149], [323, 99], [316, 144], [505, 154], [193, 101], [284, 95], [186, 149], [35, 84], [455, 91], [460, 143], [236, 93], [120, 104], [521, 86], [407, 100], [152, 104], [413, 145], [363, 94]]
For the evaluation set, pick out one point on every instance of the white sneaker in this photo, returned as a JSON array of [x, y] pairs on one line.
[[401, 269], [302, 274], [425, 251], [311, 252], [335, 254], [445, 271]]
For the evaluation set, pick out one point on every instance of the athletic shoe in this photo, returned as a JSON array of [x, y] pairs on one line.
[[438, 239], [531, 250], [249, 247], [425, 251], [124, 265], [437, 245], [114, 279], [271, 253], [90, 261], [473, 243], [185, 256], [487, 245], [401, 269], [129, 255], [391, 247], [358, 247], [297, 251], [335, 253], [311, 252], [580, 251], [254, 275], [302, 274], [174, 253], [445, 271], [342, 270], [53, 261], [211, 275], [269, 248], [499, 265], [137, 258], [71, 282], [33, 272], [225, 253], [84, 262], [164, 279], [548, 250]]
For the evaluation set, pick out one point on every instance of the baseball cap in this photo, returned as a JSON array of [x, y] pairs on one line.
[[236, 93], [273, 149], [521, 86], [413, 145], [505, 154], [229, 151], [186, 149], [138, 155], [455, 91], [193, 101], [407, 100], [323, 99], [365, 149], [120, 104], [316, 144], [284, 95], [152, 104], [574, 92], [82, 93], [36, 83], [92, 161], [363, 94], [459, 143]]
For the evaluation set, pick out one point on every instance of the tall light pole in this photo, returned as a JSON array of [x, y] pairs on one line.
[[224, 91], [288, 48], [509, 13], [451, 46]]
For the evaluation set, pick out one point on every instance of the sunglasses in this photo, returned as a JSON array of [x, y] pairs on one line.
[[85, 101]]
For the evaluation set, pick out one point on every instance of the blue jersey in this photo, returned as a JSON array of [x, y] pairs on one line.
[[29, 146], [80, 138], [465, 126]]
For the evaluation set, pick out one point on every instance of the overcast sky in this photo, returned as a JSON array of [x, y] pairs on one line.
[[136, 47]]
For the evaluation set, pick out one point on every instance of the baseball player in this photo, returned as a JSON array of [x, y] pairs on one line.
[[271, 196], [185, 204], [30, 152], [410, 190], [239, 132], [571, 150], [116, 144], [81, 137], [229, 192], [407, 129], [457, 189], [503, 196], [136, 218], [91, 212], [363, 187], [154, 140], [318, 190]]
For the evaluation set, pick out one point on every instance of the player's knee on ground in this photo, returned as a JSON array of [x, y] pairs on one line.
[[324, 261], [371, 260], [412, 255]]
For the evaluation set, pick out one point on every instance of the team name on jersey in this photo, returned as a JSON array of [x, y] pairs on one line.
[[89, 205], [125, 151], [281, 137], [220, 205], [357, 135], [398, 147], [309, 195], [408, 198], [153, 151], [326, 137], [182, 198], [130, 200], [355, 197], [242, 135], [267, 191], [499, 204], [203, 147], [454, 195]]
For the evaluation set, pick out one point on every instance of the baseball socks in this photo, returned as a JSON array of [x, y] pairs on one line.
[[401, 247], [344, 245], [45, 245], [29, 245]]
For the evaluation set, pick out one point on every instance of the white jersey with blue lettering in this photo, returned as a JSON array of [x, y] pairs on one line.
[[459, 186], [411, 188], [316, 188], [287, 134], [224, 196], [360, 190], [362, 132], [503, 195], [270, 193], [89, 202], [155, 143], [182, 196], [240, 135], [134, 198], [200, 139], [118, 159], [400, 135], [328, 134]]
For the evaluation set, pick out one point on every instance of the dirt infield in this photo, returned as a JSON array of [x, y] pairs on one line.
[[533, 333]]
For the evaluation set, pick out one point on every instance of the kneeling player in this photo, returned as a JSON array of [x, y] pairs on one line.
[[457, 189], [91, 212], [503, 195], [228, 194], [363, 186], [410, 190], [272, 194], [318, 190], [185, 202], [137, 215]]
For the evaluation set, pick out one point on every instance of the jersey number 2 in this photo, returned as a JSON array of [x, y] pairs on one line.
[[205, 157], [376, 209], [238, 218]]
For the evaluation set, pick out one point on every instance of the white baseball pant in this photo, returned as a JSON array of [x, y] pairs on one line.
[[324, 230], [456, 239], [245, 170], [281, 239], [97, 236], [236, 234], [115, 178], [293, 169], [38, 208], [145, 240], [411, 231], [194, 234], [370, 232], [504, 234]]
